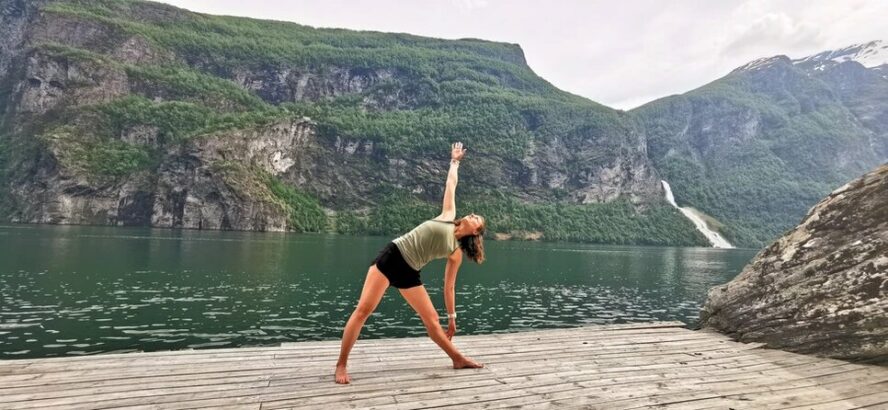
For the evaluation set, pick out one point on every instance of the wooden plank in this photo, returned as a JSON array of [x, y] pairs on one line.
[[104, 388], [434, 354], [223, 369], [795, 394], [870, 400], [572, 392], [546, 388], [675, 394], [622, 366], [430, 347], [385, 390], [329, 347], [318, 397], [590, 329], [567, 393]]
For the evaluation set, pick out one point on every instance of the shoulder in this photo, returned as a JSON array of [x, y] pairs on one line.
[[456, 255], [445, 216]]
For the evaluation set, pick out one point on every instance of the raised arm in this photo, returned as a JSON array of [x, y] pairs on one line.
[[453, 262], [448, 210]]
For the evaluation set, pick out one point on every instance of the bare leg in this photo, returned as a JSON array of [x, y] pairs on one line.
[[419, 300], [375, 286]]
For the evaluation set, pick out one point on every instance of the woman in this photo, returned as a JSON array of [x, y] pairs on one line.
[[399, 263]]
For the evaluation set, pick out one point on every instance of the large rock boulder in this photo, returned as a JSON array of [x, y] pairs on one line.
[[821, 288]]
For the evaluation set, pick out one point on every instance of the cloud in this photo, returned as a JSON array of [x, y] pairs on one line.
[[469, 5], [774, 31]]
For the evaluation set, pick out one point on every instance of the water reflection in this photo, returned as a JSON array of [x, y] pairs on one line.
[[70, 290]]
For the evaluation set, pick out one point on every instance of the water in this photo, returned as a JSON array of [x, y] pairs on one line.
[[74, 290], [714, 238]]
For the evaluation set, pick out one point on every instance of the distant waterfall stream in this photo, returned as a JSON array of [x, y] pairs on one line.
[[715, 239]]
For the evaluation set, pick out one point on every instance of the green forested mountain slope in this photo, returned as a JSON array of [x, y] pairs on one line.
[[758, 147], [137, 113]]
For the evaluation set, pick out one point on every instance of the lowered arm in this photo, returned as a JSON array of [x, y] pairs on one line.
[[453, 262]]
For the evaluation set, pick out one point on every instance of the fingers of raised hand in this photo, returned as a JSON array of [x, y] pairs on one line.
[[457, 150]]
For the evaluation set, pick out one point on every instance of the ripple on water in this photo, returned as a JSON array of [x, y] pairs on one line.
[[296, 328], [209, 344]]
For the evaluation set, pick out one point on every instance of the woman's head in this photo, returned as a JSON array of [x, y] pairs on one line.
[[471, 229]]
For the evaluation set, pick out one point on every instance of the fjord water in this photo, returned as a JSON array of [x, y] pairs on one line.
[[72, 290]]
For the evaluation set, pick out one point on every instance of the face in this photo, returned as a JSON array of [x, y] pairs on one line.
[[474, 222]]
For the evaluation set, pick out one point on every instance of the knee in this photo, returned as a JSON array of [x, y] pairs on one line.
[[431, 322], [363, 311]]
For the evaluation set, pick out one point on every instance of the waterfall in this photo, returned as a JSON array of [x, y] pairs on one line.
[[715, 239]]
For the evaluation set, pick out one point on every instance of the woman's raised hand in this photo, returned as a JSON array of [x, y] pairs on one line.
[[457, 151]]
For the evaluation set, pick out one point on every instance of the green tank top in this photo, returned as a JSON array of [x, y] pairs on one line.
[[430, 240]]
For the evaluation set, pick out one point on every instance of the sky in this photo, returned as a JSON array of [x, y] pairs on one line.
[[618, 53]]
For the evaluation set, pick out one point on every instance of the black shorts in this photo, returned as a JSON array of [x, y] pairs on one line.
[[395, 268]]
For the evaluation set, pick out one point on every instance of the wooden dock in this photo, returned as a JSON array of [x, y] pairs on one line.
[[660, 364]]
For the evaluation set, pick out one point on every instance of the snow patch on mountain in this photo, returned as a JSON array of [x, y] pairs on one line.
[[761, 63], [870, 55]]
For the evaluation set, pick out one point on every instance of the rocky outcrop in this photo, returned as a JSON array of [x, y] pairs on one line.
[[52, 81], [217, 181], [14, 18], [289, 84], [588, 170], [822, 288], [211, 182]]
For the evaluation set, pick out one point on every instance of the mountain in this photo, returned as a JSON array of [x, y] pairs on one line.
[[126, 112], [758, 147]]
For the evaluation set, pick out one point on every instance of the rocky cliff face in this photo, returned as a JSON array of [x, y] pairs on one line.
[[822, 288], [212, 182]]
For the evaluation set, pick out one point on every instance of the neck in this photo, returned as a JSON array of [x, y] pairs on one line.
[[458, 232]]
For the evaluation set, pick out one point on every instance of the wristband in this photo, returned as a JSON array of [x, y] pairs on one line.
[[451, 315]]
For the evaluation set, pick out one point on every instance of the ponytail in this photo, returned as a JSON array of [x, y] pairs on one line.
[[473, 246]]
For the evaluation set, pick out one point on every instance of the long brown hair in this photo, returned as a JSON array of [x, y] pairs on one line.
[[473, 245]]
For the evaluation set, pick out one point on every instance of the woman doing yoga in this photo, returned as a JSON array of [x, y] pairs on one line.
[[399, 263]]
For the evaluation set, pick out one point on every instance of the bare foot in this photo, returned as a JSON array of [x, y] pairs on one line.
[[467, 363], [342, 375]]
